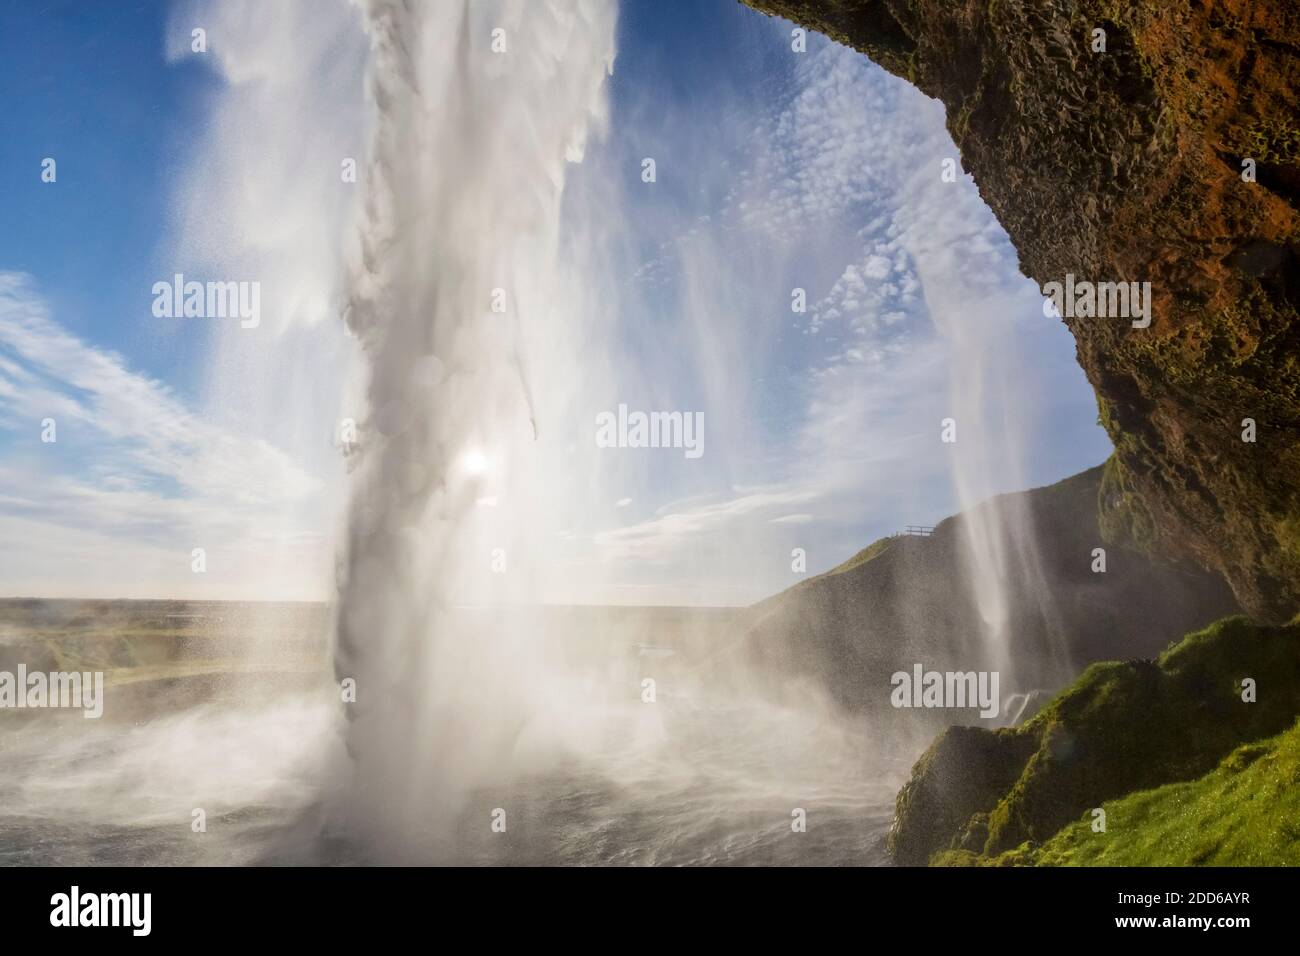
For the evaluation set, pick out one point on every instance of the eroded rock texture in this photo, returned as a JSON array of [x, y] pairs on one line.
[[1126, 165]]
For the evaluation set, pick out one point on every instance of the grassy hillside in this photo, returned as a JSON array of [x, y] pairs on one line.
[[904, 600], [1122, 728], [1246, 812], [150, 650]]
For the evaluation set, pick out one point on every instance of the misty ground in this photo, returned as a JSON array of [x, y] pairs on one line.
[[232, 709]]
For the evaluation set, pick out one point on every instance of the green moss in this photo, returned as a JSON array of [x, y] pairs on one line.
[[1123, 518], [959, 125], [1120, 728], [1275, 142], [957, 780], [1287, 532], [956, 858], [1246, 812], [872, 550], [1123, 727]]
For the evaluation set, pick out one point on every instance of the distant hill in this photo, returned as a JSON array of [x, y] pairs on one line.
[[908, 600]]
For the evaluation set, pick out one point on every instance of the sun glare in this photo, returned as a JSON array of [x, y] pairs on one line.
[[473, 462]]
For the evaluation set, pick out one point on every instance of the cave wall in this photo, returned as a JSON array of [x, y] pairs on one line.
[[1126, 165]]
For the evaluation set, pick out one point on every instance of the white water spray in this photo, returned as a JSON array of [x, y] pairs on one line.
[[967, 297], [476, 110]]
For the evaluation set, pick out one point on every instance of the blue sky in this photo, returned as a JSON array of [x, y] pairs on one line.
[[776, 171], [89, 87]]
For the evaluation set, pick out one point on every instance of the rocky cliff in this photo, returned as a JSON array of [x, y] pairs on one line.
[[1156, 141]]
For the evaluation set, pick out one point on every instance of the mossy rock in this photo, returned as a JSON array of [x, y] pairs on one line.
[[1245, 812], [1121, 727], [953, 786]]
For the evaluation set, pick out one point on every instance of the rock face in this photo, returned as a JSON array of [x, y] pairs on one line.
[[909, 600], [1126, 165]]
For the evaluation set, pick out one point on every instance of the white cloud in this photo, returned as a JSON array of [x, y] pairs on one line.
[[916, 311], [794, 519], [135, 479], [679, 526]]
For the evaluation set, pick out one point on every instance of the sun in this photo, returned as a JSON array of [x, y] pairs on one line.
[[474, 462]]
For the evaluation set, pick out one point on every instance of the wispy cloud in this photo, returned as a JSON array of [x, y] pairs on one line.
[[133, 475], [680, 526], [914, 300]]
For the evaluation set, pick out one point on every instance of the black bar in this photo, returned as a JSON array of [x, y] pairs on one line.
[[333, 906]]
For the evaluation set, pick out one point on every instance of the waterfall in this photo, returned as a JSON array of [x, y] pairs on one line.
[[967, 295], [476, 109]]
